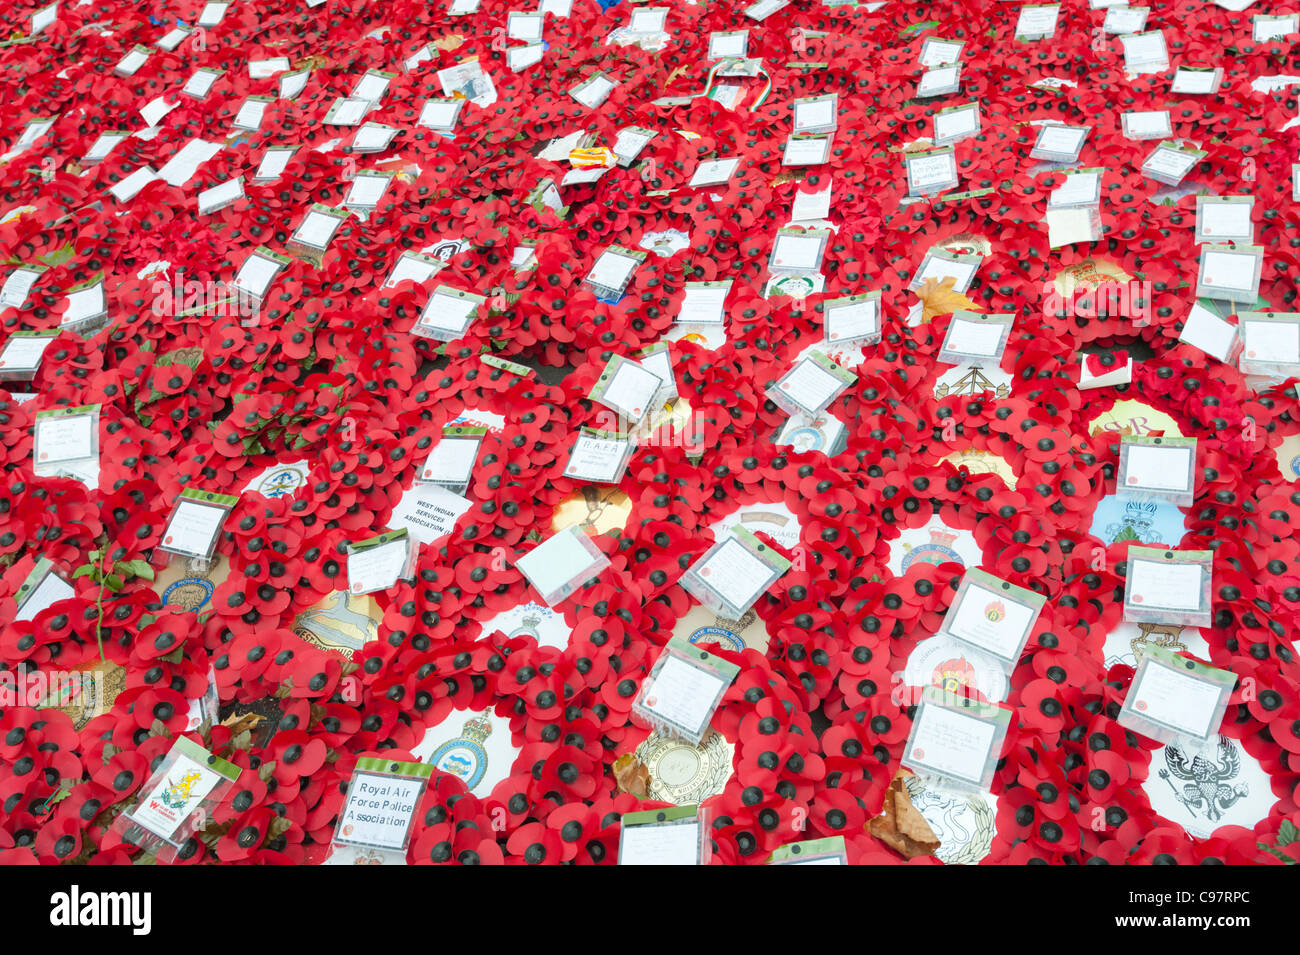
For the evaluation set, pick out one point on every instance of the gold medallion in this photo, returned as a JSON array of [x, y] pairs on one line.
[[681, 773], [600, 507]]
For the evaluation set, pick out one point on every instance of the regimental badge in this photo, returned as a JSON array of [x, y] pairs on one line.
[[964, 825], [973, 381], [665, 244], [1207, 780], [954, 676], [796, 286], [86, 691], [1288, 457], [938, 551], [465, 756], [726, 631], [178, 792], [1133, 417], [193, 591], [683, 774], [1136, 524], [341, 622], [282, 482], [1167, 635], [942, 662], [1089, 275], [964, 243], [809, 437], [448, 249]]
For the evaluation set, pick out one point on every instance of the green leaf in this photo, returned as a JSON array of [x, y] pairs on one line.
[[59, 255], [113, 582], [135, 568], [83, 570], [1287, 833]]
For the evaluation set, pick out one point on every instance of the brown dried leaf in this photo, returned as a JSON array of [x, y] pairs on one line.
[[213, 832], [244, 723], [901, 825], [265, 771], [449, 42], [632, 775]]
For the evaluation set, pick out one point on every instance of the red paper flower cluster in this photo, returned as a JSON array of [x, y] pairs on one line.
[[327, 371]]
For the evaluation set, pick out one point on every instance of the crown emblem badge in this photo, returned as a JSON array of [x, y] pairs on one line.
[[465, 756], [477, 729], [939, 550]]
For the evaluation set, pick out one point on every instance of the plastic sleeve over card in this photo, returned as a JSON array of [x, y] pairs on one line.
[[555, 591], [994, 719], [384, 795], [1184, 477], [670, 816], [719, 673], [828, 851], [46, 463], [456, 432], [177, 801], [195, 497], [612, 292], [31, 583], [11, 370], [780, 394], [407, 571], [1146, 563], [695, 580], [948, 354], [852, 319], [1260, 334], [601, 392], [995, 601], [1218, 685], [614, 439]]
